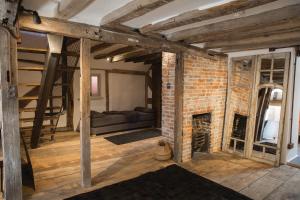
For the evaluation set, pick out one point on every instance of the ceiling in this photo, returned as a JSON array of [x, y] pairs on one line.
[[219, 25], [94, 12]]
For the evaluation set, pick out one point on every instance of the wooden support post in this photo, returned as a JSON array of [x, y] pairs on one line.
[[107, 89], [227, 109], [156, 92], [85, 84], [178, 107], [9, 117], [146, 90]]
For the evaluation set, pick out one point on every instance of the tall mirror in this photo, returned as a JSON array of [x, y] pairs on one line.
[[269, 107], [267, 120]]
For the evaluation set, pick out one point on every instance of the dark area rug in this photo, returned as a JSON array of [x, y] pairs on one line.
[[134, 136], [170, 183]]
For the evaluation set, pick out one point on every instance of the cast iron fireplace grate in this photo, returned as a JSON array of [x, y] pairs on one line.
[[201, 133]]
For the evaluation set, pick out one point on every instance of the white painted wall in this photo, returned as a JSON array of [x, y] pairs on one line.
[[125, 91], [295, 127]]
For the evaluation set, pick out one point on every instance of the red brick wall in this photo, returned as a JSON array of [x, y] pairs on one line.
[[205, 82], [168, 95]]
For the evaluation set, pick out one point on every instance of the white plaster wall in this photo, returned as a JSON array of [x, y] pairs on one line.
[[295, 127], [125, 91]]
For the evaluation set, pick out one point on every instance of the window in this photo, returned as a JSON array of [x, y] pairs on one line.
[[95, 85]]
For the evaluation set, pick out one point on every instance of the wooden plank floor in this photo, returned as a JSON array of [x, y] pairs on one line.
[[57, 172], [57, 176]]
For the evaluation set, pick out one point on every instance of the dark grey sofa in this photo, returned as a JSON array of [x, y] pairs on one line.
[[113, 121]]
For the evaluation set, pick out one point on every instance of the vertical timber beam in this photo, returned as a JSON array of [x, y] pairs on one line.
[[107, 89], [178, 107], [85, 83], [156, 92], [9, 117], [146, 90], [227, 109]]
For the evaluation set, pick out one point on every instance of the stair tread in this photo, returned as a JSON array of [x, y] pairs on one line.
[[30, 119], [37, 97], [32, 68], [29, 84], [38, 84], [31, 61], [32, 50], [30, 127], [34, 109]]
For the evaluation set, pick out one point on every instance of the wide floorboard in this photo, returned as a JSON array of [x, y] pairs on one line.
[[56, 169]]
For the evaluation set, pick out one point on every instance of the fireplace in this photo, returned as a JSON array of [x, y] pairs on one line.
[[201, 133]]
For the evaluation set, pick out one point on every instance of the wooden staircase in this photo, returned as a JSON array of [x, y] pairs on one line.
[[43, 104]]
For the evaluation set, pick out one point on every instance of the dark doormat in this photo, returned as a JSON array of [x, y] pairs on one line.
[[134, 136], [170, 183]]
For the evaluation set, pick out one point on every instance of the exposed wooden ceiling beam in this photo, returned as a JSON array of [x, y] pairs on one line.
[[255, 40], [282, 27], [142, 58], [151, 43], [244, 23], [273, 44], [79, 30], [100, 47], [201, 15], [60, 27], [133, 54], [69, 8], [115, 52], [132, 10]]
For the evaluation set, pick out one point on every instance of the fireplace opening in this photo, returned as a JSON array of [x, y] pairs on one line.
[[238, 135], [201, 133]]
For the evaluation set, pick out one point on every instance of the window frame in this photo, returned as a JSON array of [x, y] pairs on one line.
[[99, 93]]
